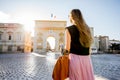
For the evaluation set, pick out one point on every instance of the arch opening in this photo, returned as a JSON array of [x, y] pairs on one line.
[[51, 43]]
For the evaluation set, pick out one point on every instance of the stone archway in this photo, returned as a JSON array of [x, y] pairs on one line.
[[49, 28]]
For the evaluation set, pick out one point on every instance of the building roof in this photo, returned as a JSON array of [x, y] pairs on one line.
[[5, 25]]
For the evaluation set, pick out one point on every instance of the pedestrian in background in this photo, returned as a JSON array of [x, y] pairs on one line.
[[78, 40]]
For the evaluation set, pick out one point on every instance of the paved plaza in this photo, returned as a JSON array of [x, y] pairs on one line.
[[36, 66]]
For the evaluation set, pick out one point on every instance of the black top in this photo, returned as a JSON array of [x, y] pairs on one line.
[[76, 47]]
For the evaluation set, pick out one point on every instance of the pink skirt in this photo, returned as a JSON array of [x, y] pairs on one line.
[[80, 68]]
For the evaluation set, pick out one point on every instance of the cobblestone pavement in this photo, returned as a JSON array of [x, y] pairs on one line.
[[107, 66], [39, 66]]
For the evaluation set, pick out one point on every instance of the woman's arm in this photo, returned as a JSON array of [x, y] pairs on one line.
[[67, 40]]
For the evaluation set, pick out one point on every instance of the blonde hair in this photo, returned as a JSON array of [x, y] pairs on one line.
[[85, 34]]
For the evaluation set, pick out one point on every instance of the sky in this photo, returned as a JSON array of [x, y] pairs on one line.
[[102, 15]]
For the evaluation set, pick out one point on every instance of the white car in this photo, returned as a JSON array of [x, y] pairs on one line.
[[94, 50]]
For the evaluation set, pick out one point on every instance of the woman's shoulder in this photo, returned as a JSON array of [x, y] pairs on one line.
[[70, 27]]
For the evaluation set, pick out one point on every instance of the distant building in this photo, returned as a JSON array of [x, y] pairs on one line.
[[103, 43], [114, 46], [13, 38], [96, 42], [114, 41], [92, 33]]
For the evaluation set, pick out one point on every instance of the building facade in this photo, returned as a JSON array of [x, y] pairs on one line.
[[103, 43], [114, 46], [12, 37], [92, 33], [96, 42], [49, 35], [114, 41]]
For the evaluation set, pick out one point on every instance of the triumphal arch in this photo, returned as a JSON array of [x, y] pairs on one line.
[[49, 35]]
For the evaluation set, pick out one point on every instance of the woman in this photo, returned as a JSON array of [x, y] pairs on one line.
[[78, 40]]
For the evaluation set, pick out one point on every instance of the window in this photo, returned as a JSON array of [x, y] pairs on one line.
[[18, 48], [0, 36], [0, 48], [10, 48], [10, 37]]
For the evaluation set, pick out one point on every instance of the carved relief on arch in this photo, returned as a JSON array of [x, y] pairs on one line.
[[39, 43], [18, 32], [39, 34], [9, 33], [61, 40], [61, 34], [39, 47], [39, 40]]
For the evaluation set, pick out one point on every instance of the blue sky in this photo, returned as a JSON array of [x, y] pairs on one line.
[[103, 15]]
